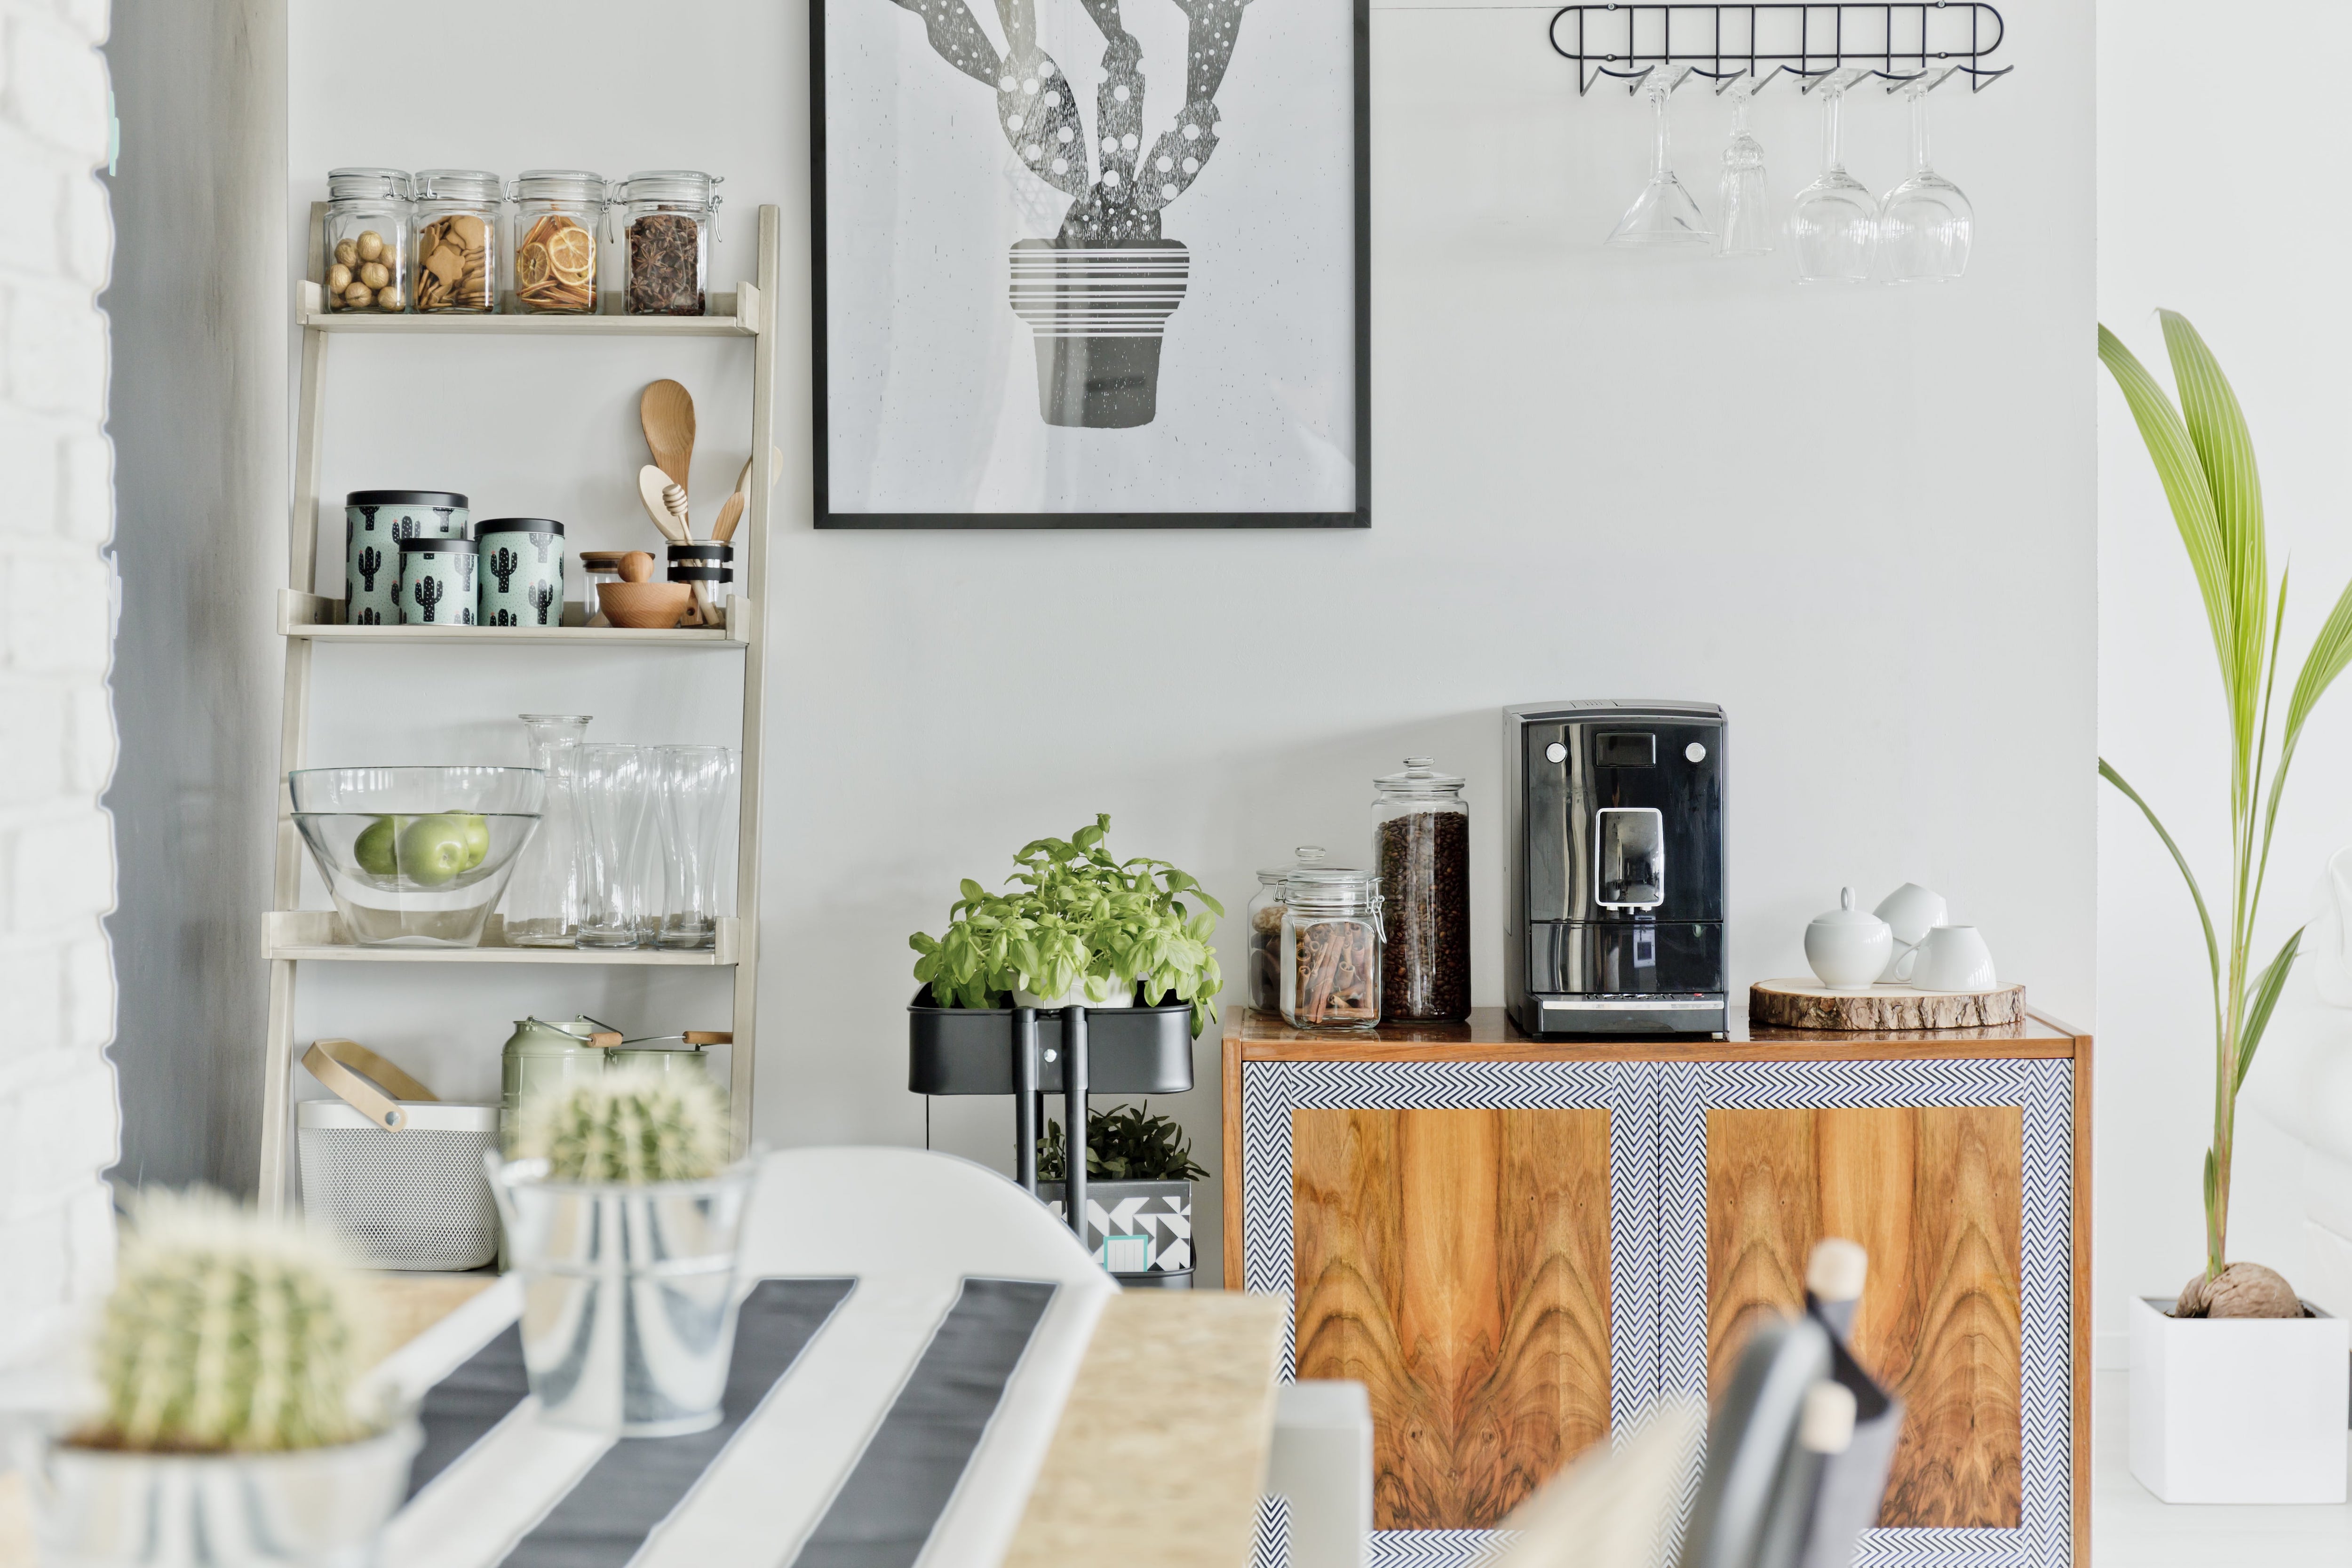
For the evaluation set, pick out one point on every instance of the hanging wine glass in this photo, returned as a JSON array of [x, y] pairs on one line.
[[1665, 212], [1833, 227], [1747, 220], [1924, 225]]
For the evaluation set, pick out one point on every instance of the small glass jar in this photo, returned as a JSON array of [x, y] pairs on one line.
[[366, 240], [664, 218], [1421, 844], [1332, 948], [1265, 916], [457, 240], [600, 567], [557, 215]]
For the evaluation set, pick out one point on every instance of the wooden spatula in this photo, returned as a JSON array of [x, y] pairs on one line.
[[667, 411]]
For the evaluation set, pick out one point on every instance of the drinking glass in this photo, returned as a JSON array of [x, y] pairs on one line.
[[613, 788], [1925, 225], [1665, 212], [1746, 207], [692, 810], [543, 902], [1834, 227]]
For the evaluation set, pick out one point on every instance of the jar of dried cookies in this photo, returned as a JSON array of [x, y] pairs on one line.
[[366, 240], [555, 219], [457, 240], [665, 218]]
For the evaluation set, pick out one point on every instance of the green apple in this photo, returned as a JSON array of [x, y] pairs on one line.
[[375, 849], [478, 837], [433, 850]]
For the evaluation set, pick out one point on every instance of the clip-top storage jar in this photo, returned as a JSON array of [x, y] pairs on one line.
[[457, 240], [366, 240], [1421, 842], [665, 217], [557, 213], [1332, 948], [1265, 916]]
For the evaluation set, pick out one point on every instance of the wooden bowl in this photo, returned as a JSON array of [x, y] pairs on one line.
[[644, 605]]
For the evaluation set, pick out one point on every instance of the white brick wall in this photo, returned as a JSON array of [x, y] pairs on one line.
[[58, 1125]]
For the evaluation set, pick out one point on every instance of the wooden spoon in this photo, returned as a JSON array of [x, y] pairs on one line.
[[730, 512], [667, 411], [651, 484]]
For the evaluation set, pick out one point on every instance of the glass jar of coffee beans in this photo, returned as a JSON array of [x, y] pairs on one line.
[[557, 215], [366, 240], [1420, 843]]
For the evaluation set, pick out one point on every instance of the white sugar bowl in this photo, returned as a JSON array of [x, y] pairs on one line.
[[1847, 947]]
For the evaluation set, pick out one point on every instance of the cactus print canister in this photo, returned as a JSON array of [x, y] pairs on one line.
[[374, 522], [523, 572], [437, 582]]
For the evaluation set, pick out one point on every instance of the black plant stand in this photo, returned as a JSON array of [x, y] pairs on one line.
[[1028, 1054]]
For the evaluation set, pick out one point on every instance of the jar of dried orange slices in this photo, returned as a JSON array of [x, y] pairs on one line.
[[554, 230]]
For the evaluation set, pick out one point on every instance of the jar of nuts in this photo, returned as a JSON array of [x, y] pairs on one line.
[[665, 217], [556, 216], [457, 239], [366, 237]]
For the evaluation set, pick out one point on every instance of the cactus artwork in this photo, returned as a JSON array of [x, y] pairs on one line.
[[370, 563], [542, 595], [427, 594], [626, 1128], [228, 1332], [504, 564], [1099, 294]]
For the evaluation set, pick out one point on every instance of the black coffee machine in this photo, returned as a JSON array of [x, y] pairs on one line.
[[1616, 844]]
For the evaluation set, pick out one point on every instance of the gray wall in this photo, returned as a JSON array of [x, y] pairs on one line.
[[199, 312]]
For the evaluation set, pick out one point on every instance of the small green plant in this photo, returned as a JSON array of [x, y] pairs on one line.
[[227, 1332], [627, 1128], [1073, 913], [1123, 1144]]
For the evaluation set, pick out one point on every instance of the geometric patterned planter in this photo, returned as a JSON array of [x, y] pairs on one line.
[[1139, 1231]]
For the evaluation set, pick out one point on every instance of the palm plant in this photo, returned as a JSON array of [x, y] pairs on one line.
[[2205, 458]]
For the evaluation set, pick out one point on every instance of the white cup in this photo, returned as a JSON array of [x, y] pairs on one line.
[[1910, 911], [1954, 958]]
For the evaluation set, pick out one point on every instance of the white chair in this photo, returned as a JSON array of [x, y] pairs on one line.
[[1321, 1464]]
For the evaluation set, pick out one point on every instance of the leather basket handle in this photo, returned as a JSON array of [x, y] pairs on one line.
[[364, 1080]]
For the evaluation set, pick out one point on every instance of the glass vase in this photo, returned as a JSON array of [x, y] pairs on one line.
[[692, 809], [612, 792], [543, 902]]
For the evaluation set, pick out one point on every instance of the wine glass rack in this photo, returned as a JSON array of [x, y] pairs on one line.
[[1755, 45]]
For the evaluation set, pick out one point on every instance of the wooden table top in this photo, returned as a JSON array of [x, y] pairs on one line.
[[1490, 1036]]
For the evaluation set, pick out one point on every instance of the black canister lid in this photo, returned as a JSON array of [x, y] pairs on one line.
[[517, 525], [404, 498], [703, 550], [438, 546]]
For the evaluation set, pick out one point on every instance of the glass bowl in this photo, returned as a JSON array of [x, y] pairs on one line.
[[416, 856]]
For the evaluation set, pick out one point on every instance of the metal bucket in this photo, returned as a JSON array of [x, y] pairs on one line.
[[314, 1508], [628, 1314]]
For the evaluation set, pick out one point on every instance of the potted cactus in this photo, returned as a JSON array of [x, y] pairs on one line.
[[1139, 1176], [233, 1426], [623, 1216], [1097, 295]]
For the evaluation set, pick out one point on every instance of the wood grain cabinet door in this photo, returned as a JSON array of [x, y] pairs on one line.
[[1955, 1177], [1449, 1239]]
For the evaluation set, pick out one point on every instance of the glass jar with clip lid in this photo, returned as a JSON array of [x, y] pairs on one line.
[[1264, 918], [1332, 939]]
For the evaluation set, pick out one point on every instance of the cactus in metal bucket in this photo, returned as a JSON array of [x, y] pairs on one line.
[[229, 1333], [627, 1128]]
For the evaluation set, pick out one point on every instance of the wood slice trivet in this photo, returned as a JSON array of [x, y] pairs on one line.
[[1808, 1004]]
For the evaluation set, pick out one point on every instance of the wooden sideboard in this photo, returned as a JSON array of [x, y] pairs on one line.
[[1518, 1246]]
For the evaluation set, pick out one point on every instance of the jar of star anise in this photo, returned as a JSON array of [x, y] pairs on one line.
[[665, 218], [556, 214]]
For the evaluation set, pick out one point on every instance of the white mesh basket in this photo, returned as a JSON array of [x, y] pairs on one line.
[[414, 1198]]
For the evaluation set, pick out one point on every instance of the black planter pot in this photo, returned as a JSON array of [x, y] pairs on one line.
[[1098, 312]]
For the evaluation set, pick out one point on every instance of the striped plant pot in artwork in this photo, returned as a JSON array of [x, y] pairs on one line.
[[1097, 313]]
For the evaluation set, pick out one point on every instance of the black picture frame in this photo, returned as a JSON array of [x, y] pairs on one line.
[[1360, 517]]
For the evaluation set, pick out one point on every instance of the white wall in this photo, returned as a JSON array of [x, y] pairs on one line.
[[2181, 175], [58, 1122], [1862, 521]]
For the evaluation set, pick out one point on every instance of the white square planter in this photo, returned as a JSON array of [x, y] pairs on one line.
[[2239, 1409]]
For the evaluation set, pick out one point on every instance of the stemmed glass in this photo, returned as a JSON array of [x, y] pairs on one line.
[[1925, 225], [1665, 212], [1833, 227], [1747, 223]]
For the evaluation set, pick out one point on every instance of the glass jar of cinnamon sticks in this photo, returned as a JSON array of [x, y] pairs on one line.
[[1332, 939]]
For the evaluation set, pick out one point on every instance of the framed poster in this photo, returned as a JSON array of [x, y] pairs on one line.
[[1091, 263]]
